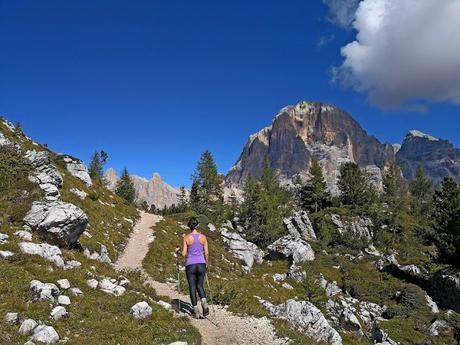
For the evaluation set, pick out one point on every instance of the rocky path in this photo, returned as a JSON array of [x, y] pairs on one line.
[[226, 328]]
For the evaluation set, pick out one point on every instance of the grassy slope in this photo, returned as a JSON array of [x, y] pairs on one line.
[[96, 317], [232, 287]]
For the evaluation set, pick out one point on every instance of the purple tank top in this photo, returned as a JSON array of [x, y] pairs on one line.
[[195, 252]]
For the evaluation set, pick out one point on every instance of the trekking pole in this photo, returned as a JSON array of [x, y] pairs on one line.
[[210, 294], [178, 277]]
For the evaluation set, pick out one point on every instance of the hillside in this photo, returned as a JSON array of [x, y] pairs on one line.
[[95, 315], [365, 303]]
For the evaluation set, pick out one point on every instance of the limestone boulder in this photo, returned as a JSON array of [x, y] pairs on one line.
[[241, 248], [307, 318], [57, 222], [78, 169], [294, 249], [299, 226], [141, 310]]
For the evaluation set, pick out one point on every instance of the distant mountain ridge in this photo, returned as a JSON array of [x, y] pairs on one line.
[[312, 129], [154, 191]]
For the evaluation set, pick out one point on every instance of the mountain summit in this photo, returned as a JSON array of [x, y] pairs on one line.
[[154, 191], [305, 130]]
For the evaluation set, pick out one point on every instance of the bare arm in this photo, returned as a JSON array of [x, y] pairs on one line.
[[206, 252], [184, 246]]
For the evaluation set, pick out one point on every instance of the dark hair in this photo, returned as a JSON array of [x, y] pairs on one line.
[[193, 223]]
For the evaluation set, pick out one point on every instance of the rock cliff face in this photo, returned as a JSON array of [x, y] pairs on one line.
[[438, 157], [308, 130], [154, 191]]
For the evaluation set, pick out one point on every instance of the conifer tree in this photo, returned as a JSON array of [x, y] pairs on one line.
[[207, 193], [356, 190], [96, 167], [125, 187], [421, 191], [446, 221], [182, 200], [265, 205], [314, 195]]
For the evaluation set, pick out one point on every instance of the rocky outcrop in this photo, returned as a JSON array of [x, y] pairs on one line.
[[361, 227], [308, 130], [45, 174], [308, 319], [299, 226], [242, 249], [154, 191], [102, 256], [48, 252], [445, 290], [438, 157], [293, 249], [45, 334], [57, 222], [43, 291], [78, 169]]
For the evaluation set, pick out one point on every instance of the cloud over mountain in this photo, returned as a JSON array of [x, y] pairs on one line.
[[405, 51]]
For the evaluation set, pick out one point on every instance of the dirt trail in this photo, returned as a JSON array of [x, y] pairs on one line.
[[226, 328]]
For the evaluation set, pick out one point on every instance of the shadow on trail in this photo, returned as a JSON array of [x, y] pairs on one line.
[[185, 307]]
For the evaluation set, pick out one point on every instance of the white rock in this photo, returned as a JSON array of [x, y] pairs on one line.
[[357, 226], [43, 291], [24, 235], [57, 222], [6, 254], [371, 250], [12, 318], [299, 226], [64, 300], [291, 248], [432, 304], [58, 313], [287, 286], [211, 227], [179, 343], [27, 326], [45, 334], [111, 288], [438, 327], [45, 174], [46, 251], [165, 305], [72, 264], [92, 283], [242, 249], [278, 277], [141, 310], [63, 284], [307, 318], [78, 169], [81, 194], [76, 292], [3, 238]]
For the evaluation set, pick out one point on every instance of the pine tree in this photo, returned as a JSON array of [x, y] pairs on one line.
[[207, 189], [125, 187], [96, 167], [446, 221], [421, 191], [356, 190], [182, 200], [265, 205], [314, 195]]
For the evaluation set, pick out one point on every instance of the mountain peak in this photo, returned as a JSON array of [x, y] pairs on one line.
[[417, 134]]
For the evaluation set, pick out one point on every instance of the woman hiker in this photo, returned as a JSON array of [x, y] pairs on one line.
[[195, 249]]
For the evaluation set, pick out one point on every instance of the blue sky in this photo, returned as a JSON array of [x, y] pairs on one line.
[[154, 83]]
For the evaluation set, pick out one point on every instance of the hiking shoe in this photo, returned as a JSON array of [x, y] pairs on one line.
[[196, 312], [205, 307]]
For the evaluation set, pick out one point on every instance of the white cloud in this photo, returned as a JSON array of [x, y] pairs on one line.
[[405, 51], [342, 12]]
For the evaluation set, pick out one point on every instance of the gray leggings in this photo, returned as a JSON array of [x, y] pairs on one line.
[[195, 277]]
